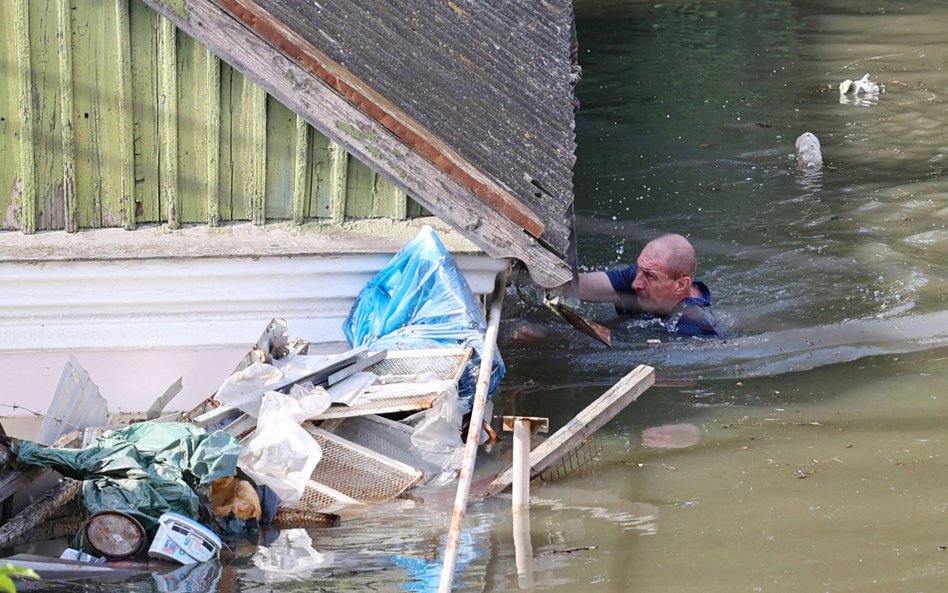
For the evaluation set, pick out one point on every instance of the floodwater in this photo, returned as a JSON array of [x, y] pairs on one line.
[[822, 417]]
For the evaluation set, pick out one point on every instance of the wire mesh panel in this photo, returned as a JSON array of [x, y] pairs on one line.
[[576, 459], [350, 473], [444, 363]]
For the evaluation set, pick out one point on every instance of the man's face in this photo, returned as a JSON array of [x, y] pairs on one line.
[[655, 286]]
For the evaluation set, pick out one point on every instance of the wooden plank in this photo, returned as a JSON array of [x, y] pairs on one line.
[[24, 190], [583, 425], [212, 118], [300, 169], [255, 126], [143, 22], [98, 131], [280, 169], [360, 191], [338, 181], [47, 163], [168, 195], [320, 167], [9, 119], [230, 175], [362, 136], [191, 61], [67, 119], [388, 200], [39, 510], [126, 116]]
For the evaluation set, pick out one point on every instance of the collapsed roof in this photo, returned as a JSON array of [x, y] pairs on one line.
[[466, 106]]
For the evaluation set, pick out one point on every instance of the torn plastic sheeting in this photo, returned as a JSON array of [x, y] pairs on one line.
[[420, 299], [143, 470], [280, 453]]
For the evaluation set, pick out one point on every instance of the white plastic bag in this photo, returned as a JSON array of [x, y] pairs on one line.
[[280, 453]]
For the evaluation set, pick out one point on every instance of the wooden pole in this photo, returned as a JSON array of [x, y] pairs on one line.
[[521, 464], [523, 548], [473, 434], [522, 427]]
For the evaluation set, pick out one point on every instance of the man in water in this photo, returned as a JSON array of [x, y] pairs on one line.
[[660, 282]]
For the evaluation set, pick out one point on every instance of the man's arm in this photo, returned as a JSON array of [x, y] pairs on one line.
[[595, 287]]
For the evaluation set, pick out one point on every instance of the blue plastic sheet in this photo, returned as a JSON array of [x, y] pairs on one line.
[[421, 300]]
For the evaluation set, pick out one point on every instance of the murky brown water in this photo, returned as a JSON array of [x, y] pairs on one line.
[[823, 417]]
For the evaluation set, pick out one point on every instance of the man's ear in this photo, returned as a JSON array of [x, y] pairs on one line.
[[682, 285]]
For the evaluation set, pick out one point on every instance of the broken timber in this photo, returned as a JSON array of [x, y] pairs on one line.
[[582, 426], [17, 480]]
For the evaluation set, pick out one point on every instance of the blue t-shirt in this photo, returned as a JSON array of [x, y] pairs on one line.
[[692, 316]]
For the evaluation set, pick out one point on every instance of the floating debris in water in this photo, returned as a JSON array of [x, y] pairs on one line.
[[809, 155], [860, 92]]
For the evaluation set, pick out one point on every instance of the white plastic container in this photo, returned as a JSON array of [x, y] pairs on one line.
[[184, 540]]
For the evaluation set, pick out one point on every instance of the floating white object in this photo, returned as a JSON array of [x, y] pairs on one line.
[[809, 155], [184, 540], [863, 86]]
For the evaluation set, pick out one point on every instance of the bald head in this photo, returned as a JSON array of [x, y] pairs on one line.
[[677, 253]]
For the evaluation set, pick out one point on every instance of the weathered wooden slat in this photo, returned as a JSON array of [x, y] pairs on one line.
[[320, 166], [255, 102], [212, 115], [338, 182], [25, 188], [125, 114], [96, 79], [280, 166], [144, 33], [67, 118], [231, 172], [47, 163], [583, 425], [298, 88], [300, 167], [192, 133], [389, 200], [360, 190], [169, 198], [9, 119]]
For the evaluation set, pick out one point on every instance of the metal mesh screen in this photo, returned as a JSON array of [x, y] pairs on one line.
[[354, 472], [575, 459], [444, 366]]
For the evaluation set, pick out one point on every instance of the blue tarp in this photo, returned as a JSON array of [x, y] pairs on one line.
[[421, 300]]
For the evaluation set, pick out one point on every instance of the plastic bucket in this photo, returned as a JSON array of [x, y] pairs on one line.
[[183, 540]]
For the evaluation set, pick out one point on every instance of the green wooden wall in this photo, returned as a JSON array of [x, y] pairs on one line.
[[110, 117]]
